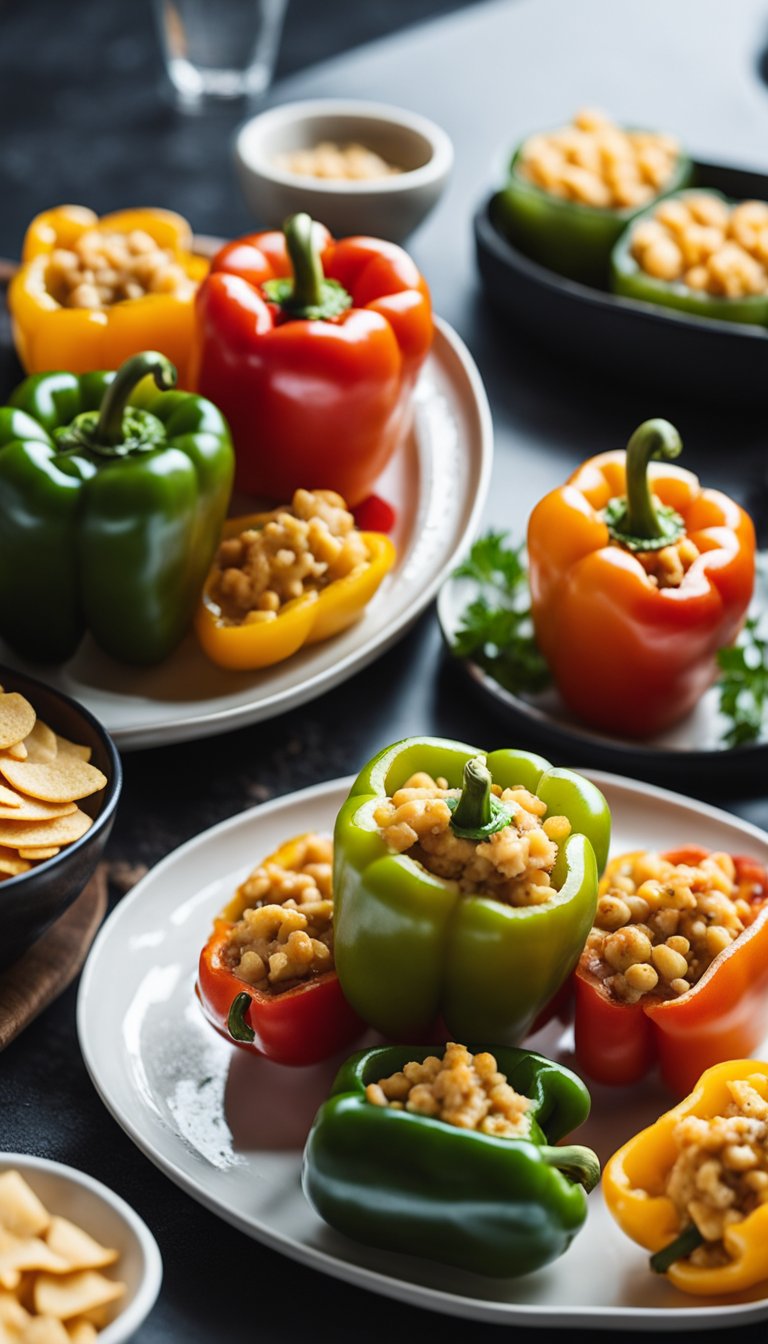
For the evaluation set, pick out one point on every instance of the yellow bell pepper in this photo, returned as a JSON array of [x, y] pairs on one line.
[[317, 614], [49, 336], [635, 1180]]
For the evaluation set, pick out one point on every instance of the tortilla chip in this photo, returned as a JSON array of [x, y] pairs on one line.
[[11, 863], [11, 1311], [81, 1331], [68, 748], [21, 1212], [17, 718], [37, 855], [42, 834], [31, 809], [18, 752], [19, 1253], [9, 797], [41, 743], [75, 1246], [60, 781], [43, 1330], [74, 1294]]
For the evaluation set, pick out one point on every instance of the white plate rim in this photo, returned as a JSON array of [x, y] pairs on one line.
[[703, 1316]]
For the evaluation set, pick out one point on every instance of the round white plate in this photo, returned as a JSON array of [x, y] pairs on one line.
[[185, 1096], [436, 482]]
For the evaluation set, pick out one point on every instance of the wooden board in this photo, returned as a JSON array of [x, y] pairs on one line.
[[52, 963]]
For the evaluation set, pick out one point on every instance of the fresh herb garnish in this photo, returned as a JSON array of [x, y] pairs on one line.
[[743, 686], [495, 627]]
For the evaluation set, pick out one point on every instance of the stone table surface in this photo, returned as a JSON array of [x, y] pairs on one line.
[[86, 119]]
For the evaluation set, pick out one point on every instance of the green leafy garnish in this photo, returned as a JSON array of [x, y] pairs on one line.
[[743, 686], [495, 628]]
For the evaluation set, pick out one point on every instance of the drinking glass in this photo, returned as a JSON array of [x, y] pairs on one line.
[[217, 49]]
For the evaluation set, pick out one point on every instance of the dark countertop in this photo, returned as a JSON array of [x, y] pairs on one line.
[[100, 130]]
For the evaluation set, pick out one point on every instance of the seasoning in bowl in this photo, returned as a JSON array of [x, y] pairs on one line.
[[51, 1287], [351, 162], [42, 778]]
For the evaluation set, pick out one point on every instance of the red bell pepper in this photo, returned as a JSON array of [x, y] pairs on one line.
[[311, 349], [301, 1025], [723, 1016]]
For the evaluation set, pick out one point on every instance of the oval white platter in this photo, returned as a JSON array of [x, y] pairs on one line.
[[186, 1097], [437, 483]]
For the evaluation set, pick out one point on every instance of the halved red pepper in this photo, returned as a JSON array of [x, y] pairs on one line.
[[301, 1025], [723, 1016]]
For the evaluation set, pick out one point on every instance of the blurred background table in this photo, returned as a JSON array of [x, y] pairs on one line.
[[87, 118]]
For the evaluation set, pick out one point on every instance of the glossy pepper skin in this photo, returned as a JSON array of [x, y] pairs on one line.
[[632, 282], [313, 400], [628, 657], [487, 968], [635, 1177], [316, 615], [723, 1015], [406, 1182], [573, 239], [112, 495], [298, 1026], [49, 336]]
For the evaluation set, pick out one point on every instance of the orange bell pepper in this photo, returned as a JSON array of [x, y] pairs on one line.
[[724, 1014], [301, 1025], [629, 656], [634, 1184], [316, 615], [50, 336]]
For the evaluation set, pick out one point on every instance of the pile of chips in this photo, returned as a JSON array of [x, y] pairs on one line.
[[42, 778], [51, 1290]]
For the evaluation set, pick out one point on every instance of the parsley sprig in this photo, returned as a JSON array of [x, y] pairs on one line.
[[743, 686], [495, 627]]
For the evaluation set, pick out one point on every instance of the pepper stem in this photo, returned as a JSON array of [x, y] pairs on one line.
[[308, 274], [109, 427], [637, 520], [581, 1164], [679, 1249], [473, 810], [237, 1026]]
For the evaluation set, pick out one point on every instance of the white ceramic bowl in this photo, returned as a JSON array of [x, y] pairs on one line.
[[95, 1208], [387, 207]]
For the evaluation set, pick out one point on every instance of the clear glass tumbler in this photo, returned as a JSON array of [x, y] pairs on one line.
[[217, 49]]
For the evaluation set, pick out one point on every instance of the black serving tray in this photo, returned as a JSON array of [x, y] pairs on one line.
[[702, 358]]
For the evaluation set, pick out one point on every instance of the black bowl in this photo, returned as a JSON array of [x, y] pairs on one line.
[[674, 352], [33, 900]]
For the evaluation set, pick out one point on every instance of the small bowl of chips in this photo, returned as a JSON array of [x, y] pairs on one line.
[[77, 1265], [60, 780]]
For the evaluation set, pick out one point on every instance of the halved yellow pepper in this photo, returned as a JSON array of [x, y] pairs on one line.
[[316, 615], [48, 336], [635, 1180]]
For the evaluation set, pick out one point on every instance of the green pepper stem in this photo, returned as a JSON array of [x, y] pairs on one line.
[[581, 1164], [679, 1249], [307, 266], [473, 810], [237, 1026], [654, 439], [109, 428]]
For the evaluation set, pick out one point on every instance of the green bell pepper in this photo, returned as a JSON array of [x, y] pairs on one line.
[[113, 491], [630, 280], [572, 239], [409, 946], [406, 1182]]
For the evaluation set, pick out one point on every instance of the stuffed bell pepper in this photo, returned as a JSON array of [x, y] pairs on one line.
[[570, 192], [465, 887], [698, 253], [675, 971], [294, 576], [113, 491], [311, 347], [693, 1187], [266, 978], [638, 575], [91, 292], [453, 1157]]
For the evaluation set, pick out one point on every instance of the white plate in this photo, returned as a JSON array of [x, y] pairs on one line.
[[186, 1097], [437, 483]]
